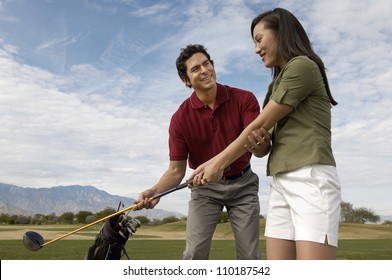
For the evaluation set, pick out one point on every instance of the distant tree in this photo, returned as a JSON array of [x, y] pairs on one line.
[[106, 212], [143, 220], [52, 218], [90, 219], [38, 219], [81, 216], [12, 219], [22, 220], [4, 218], [387, 222], [364, 215], [223, 217], [346, 212], [170, 219], [156, 222], [67, 218]]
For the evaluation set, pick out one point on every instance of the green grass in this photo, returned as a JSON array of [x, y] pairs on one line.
[[172, 250], [356, 242], [366, 249]]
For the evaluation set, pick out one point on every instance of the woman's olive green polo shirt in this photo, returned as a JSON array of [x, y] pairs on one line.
[[303, 137]]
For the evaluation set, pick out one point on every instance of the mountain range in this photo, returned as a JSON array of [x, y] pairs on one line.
[[16, 200]]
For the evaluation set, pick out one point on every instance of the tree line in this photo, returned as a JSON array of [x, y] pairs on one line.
[[82, 217], [348, 214]]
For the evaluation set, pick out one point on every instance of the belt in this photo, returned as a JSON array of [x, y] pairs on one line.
[[236, 176]]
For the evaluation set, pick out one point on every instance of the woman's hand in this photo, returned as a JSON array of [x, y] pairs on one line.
[[259, 142], [210, 171]]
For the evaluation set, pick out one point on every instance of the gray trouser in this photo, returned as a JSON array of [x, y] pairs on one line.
[[240, 197]]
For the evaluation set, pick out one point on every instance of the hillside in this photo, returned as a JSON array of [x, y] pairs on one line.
[[17, 200]]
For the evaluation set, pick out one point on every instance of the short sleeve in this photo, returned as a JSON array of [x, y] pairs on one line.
[[296, 82], [178, 149], [250, 110]]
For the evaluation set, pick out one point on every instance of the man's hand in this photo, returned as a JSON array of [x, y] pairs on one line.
[[145, 201]]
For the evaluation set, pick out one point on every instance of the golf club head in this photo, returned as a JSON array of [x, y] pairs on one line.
[[135, 222], [33, 240]]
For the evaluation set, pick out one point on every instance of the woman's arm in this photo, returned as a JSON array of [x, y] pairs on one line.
[[213, 169]]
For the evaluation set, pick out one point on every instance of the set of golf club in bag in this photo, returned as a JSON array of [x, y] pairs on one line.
[[109, 244]]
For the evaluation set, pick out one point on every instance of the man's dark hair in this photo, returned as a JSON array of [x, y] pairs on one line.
[[187, 53]]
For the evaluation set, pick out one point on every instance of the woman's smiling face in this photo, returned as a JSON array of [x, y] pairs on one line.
[[266, 45]]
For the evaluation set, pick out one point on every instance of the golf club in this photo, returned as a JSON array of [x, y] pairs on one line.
[[34, 241]]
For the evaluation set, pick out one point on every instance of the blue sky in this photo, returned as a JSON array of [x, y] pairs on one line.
[[87, 88]]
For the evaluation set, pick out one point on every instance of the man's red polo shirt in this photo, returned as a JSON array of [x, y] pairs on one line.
[[198, 133]]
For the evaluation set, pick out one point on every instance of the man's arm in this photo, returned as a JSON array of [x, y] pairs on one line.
[[171, 178]]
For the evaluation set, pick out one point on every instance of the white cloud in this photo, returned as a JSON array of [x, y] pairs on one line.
[[150, 10], [104, 120], [10, 49], [56, 42], [59, 137]]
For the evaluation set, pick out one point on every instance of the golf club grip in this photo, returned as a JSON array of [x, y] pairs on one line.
[[179, 187]]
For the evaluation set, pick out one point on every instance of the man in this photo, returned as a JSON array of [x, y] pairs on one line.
[[209, 120]]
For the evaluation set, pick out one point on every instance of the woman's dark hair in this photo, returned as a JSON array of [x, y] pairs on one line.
[[185, 54], [292, 40]]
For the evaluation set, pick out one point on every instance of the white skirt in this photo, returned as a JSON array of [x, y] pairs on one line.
[[304, 204]]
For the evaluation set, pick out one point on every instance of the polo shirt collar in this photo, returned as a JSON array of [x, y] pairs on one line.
[[222, 96]]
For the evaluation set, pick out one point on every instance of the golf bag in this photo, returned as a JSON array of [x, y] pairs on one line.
[[110, 242]]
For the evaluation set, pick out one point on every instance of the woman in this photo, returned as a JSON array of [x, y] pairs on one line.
[[304, 203]]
